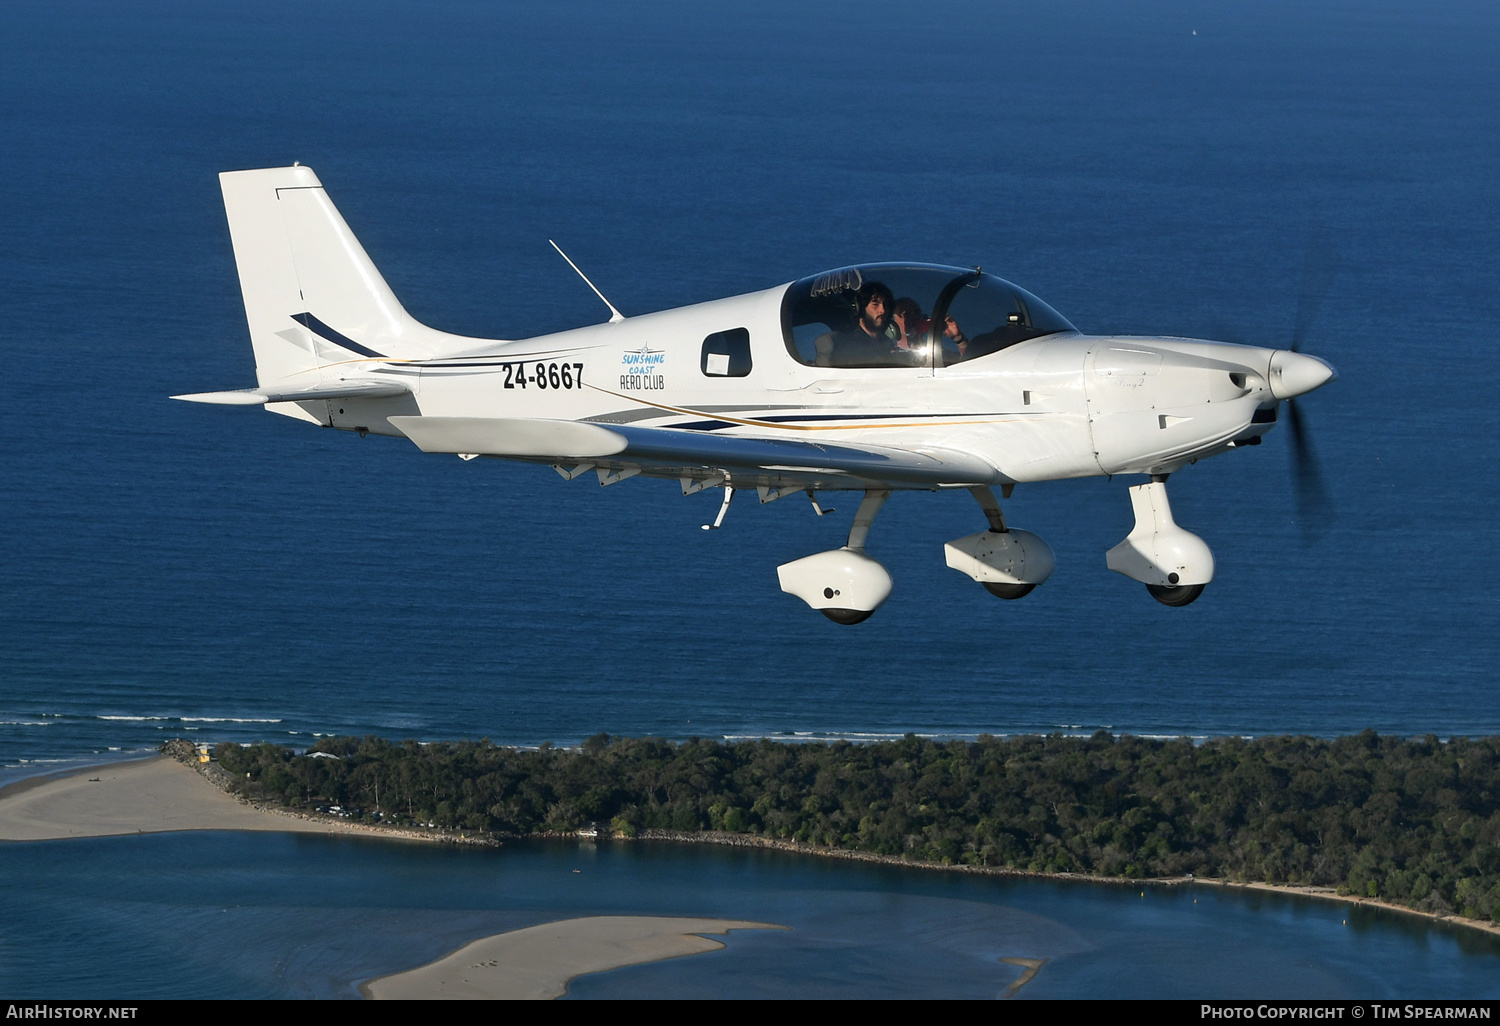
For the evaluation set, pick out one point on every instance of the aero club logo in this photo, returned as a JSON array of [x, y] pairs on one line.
[[642, 369]]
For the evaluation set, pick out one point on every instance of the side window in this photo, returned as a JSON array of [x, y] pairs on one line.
[[726, 354], [987, 315]]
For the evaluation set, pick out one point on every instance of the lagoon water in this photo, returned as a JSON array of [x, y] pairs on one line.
[[267, 915], [220, 573]]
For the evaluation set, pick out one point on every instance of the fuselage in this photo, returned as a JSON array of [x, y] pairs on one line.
[[1060, 405]]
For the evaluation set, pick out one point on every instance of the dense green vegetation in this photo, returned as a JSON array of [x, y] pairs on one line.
[[1411, 821]]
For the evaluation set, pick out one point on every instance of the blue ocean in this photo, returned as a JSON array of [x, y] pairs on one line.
[[1179, 168]]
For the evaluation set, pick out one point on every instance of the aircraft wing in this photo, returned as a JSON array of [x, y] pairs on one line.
[[566, 441], [348, 389]]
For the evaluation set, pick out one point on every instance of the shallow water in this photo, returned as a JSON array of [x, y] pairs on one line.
[[218, 915]]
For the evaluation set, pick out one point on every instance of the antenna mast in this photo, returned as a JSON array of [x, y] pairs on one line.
[[614, 315]]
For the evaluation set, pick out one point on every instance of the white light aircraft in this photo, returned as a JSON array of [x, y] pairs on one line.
[[873, 379]]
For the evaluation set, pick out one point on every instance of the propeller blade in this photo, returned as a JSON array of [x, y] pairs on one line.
[[1320, 265], [1315, 512]]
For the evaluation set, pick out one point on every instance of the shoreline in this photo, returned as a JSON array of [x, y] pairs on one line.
[[186, 753], [800, 848], [212, 806]]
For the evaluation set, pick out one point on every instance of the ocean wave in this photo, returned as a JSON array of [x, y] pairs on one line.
[[813, 736], [875, 736], [227, 719], [120, 717], [25, 723]]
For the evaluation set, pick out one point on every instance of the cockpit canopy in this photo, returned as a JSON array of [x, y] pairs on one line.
[[908, 315]]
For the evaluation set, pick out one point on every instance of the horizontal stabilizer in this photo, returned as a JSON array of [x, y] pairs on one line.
[[325, 390], [676, 447]]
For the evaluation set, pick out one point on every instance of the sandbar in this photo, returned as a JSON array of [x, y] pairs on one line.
[[147, 796], [537, 962]]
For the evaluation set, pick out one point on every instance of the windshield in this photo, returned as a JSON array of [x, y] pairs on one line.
[[883, 315]]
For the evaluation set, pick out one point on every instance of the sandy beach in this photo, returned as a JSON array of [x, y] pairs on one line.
[[144, 797], [536, 963]]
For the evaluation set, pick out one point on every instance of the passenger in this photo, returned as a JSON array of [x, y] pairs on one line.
[[871, 341], [911, 327]]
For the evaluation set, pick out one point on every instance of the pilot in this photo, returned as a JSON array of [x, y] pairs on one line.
[[871, 341], [953, 334], [1007, 333], [1010, 331]]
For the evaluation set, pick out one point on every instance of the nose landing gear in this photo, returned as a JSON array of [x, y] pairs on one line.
[[1173, 564]]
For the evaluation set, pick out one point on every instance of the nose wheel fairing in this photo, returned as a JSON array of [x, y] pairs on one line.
[[1168, 560]]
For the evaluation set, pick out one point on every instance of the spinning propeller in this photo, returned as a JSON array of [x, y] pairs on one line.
[[1315, 512]]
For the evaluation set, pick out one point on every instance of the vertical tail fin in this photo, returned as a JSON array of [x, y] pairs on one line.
[[313, 298]]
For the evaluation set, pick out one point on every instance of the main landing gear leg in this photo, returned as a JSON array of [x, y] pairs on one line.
[[1173, 564], [844, 584], [863, 518], [1009, 563]]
